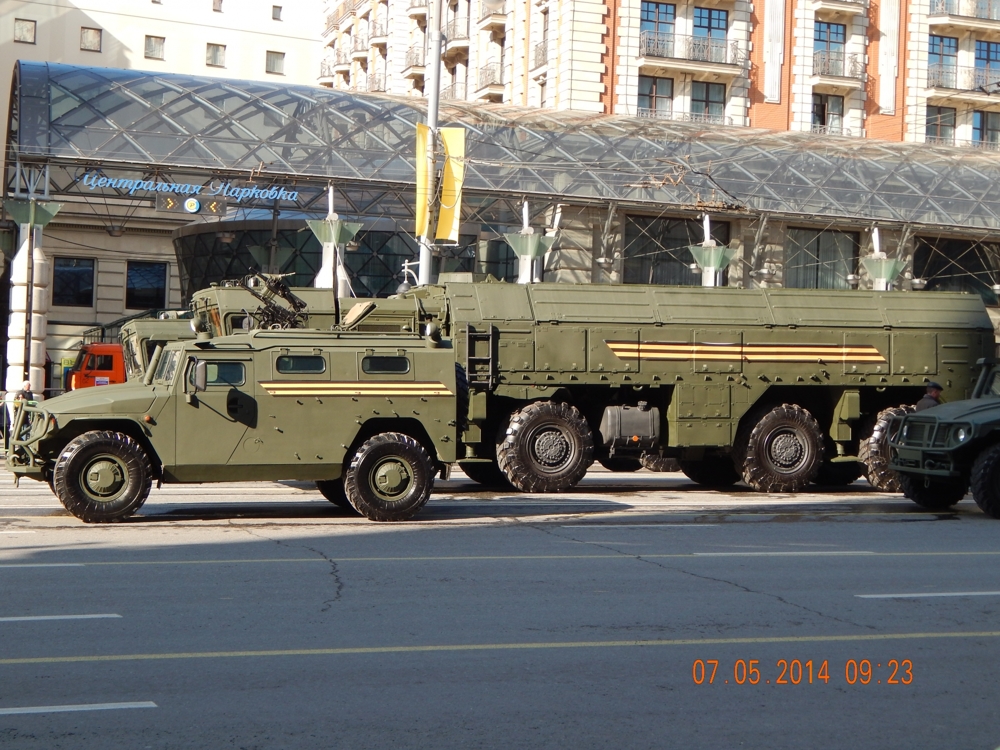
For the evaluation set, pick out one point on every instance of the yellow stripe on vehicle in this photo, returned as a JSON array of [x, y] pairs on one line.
[[748, 352]]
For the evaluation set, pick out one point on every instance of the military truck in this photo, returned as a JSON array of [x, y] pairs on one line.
[[371, 419], [140, 337], [938, 452]]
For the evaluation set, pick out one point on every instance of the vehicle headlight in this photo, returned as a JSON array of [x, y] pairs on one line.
[[961, 434], [906, 430]]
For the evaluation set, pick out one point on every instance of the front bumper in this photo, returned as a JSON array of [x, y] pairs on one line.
[[924, 449], [29, 425]]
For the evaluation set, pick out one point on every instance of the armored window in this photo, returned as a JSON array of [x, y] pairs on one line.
[[90, 39], [24, 30], [222, 373], [385, 365], [154, 47], [275, 63], [167, 367], [276, 12], [817, 259], [300, 365], [73, 282], [215, 55], [146, 286]]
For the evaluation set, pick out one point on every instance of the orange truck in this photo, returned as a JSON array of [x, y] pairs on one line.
[[96, 364]]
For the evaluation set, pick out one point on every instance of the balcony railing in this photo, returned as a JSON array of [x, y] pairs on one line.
[[454, 91], [986, 9], [943, 140], [417, 4], [456, 29], [415, 57], [659, 113], [490, 74], [376, 83], [331, 23], [486, 10], [664, 112], [326, 68], [697, 48], [965, 79], [359, 44], [835, 63], [377, 30], [541, 55], [830, 130]]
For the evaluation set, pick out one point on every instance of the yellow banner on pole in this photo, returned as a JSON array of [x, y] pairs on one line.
[[450, 216], [422, 228]]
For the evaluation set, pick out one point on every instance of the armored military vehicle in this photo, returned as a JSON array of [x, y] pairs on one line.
[[939, 451], [140, 337], [371, 419]]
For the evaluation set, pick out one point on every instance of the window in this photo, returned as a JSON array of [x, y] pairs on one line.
[[275, 63], [986, 129], [942, 61], [828, 48], [657, 17], [73, 282], [656, 249], [940, 125], [817, 259], [828, 114], [146, 286], [100, 362], [710, 28], [224, 373], [656, 96], [215, 55], [276, 12], [90, 39], [154, 47], [300, 364], [217, 6], [708, 101], [987, 65], [24, 31], [167, 367], [385, 365]]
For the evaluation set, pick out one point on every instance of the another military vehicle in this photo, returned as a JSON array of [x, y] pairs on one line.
[[939, 451], [140, 337]]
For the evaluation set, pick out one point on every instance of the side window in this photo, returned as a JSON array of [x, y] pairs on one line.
[[384, 365], [100, 362], [167, 367], [995, 385], [300, 364], [226, 373]]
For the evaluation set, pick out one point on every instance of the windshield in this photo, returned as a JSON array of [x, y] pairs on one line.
[[167, 366], [133, 367], [992, 384]]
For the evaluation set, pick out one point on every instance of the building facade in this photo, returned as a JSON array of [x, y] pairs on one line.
[[896, 70]]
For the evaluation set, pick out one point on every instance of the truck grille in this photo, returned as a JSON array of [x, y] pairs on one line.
[[922, 434]]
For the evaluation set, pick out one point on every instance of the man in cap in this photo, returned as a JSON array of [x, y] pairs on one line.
[[931, 398]]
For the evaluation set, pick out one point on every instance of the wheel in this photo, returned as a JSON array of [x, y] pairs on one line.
[[333, 490], [986, 481], [485, 473], [102, 476], [783, 451], [711, 471], [390, 477], [873, 453], [548, 447], [620, 464], [839, 474], [659, 463], [937, 495]]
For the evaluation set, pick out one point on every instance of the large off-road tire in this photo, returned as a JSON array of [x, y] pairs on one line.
[[333, 490], [548, 447], [937, 495], [986, 481], [711, 471], [486, 473], [783, 451], [658, 463], [873, 452], [390, 477], [839, 474], [102, 476], [620, 464]]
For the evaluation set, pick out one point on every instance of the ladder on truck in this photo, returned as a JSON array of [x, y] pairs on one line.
[[480, 365]]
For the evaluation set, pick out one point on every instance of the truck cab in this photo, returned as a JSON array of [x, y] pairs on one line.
[[96, 364]]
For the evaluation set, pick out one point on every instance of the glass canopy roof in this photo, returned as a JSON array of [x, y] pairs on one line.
[[69, 115]]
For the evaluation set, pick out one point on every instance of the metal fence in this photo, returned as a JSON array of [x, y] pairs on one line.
[[963, 78], [836, 63], [696, 48]]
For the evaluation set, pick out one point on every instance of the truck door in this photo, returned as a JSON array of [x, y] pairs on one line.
[[212, 425]]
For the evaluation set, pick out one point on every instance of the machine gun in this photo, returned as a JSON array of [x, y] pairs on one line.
[[270, 314]]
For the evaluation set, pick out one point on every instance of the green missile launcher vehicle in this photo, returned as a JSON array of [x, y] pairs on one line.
[[940, 451]]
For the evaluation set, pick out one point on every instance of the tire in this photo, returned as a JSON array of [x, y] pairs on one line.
[[548, 447], [656, 463], [839, 474], [873, 452], [333, 490], [486, 474], [620, 464], [986, 481], [390, 477], [712, 471], [783, 451], [102, 476], [934, 496]]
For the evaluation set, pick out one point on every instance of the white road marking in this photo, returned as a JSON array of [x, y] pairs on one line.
[[44, 565], [782, 554], [637, 525], [34, 618], [923, 596], [79, 707], [17, 532]]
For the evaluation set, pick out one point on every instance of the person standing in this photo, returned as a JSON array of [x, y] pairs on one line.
[[931, 398]]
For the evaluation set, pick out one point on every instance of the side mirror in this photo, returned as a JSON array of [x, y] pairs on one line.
[[200, 376]]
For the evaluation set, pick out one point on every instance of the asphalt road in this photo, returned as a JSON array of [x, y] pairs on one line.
[[260, 616]]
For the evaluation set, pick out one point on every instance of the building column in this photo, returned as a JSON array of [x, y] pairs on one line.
[[16, 327]]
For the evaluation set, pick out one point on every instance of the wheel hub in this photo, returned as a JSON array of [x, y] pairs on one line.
[[787, 451], [552, 448], [391, 478], [104, 478]]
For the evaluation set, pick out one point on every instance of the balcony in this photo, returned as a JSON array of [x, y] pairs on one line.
[[831, 130], [456, 37], [492, 17], [975, 15], [541, 56], [840, 7], [378, 34], [417, 9], [331, 24], [359, 48], [327, 69], [968, 84], [668, 113], [414, 66], [837, 70], [341, 62], [453, 91], [490, 82], [376, 83], [693, 54]]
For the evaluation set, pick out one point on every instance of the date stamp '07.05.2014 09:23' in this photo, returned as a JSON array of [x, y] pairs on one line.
[[798, 672]]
